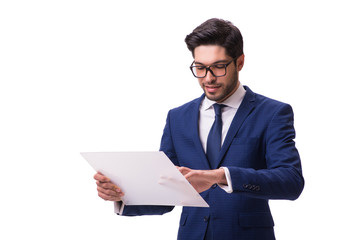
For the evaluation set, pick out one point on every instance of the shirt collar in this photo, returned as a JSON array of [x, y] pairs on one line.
[[233, 101]]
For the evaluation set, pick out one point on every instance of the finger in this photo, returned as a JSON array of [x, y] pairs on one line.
[[101, 178], [108, 198], [190, 174], [163, 179], [109, 192], [184, 170], [108, 185], [168, 180]]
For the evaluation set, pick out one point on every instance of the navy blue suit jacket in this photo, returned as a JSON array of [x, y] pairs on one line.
[[261, 156]]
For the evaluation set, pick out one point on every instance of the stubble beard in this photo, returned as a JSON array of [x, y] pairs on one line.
[[226, 92]]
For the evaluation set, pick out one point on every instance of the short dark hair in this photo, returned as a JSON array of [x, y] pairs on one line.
[[217, 32]]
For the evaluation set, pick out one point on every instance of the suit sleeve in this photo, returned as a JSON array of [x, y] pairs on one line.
[[282, 179], [168, 149]]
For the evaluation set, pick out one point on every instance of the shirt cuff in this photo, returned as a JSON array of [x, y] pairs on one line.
[[227, 188], [119, 207]]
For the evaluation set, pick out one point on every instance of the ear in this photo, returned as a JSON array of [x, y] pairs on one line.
[[240, 62]]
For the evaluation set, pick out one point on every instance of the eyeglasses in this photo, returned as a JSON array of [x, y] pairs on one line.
[[217, 70]]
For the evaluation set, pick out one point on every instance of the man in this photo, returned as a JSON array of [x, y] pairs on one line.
[[234, 146]]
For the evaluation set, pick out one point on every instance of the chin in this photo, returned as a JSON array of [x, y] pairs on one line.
[[213, 97]]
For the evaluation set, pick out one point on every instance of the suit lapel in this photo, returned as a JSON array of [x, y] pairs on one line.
[[196, 138], [246, 107]]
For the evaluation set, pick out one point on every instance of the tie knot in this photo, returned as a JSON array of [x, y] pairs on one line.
[[217, 109]]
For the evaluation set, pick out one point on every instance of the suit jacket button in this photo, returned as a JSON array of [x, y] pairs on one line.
[[206, 219], [214, 186], [246, 186]]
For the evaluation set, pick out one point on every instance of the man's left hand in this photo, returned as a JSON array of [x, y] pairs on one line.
[[202, 180]]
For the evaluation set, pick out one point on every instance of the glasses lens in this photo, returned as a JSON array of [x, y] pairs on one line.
[[199, 71], [217, 70]]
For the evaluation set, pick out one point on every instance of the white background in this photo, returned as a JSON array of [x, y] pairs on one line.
[[101, 75]]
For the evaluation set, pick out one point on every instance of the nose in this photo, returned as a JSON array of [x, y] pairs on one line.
[[209, 77]]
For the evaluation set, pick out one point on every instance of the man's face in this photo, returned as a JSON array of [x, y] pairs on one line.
[[217, 88]]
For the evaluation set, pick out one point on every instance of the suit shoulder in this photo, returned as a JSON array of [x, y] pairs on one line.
[[261, 100], [274, 109], [270, 102]]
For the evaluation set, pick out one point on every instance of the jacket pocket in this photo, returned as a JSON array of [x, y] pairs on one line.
[[256, 220]]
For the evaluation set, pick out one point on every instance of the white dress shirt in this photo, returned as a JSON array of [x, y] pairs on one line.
[[207, 118]]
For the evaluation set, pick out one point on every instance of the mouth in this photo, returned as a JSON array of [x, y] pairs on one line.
[[212, 88]]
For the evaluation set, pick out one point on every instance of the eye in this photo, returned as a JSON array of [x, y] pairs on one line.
[[199, 67], [219, 66]]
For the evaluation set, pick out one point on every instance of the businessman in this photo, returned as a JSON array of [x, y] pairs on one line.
[[234, 146]]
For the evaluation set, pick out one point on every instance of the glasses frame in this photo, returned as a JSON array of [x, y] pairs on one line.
[[208, 68]]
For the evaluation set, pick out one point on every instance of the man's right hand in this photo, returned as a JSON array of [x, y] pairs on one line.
[[106, 189]]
